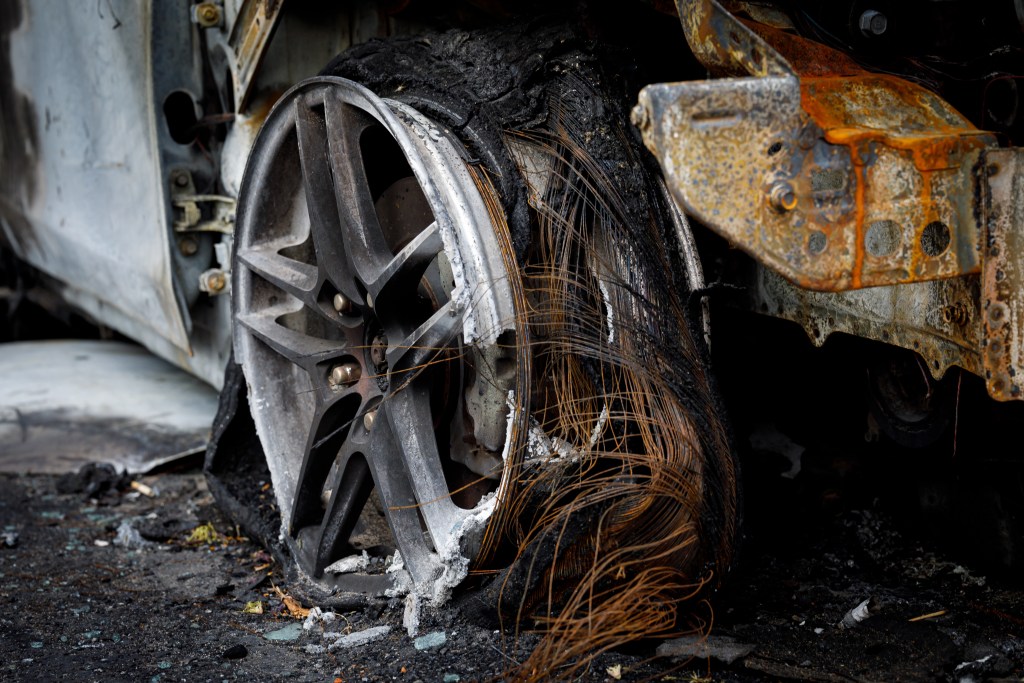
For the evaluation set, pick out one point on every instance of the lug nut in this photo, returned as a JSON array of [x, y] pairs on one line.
[[345, 374], [342, 303], [873, 23], [368, 419], [782, 197]]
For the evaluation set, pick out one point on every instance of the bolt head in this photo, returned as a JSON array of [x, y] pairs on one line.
[[873, 23], [342, 303], [181, 179], [782, 197], [369, 300], [345, 374], [188, 246], [640, 117], [368, 419], [216, 282]]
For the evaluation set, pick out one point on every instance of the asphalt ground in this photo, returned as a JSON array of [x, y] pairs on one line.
[[103, 579]]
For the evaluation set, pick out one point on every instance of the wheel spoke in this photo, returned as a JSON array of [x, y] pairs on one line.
[[359, 226], [350, 490], [327, 434], [303, 350], [412, 424], [291, 276], [423, 346], [403, 272], [395, 488], [319, 181]]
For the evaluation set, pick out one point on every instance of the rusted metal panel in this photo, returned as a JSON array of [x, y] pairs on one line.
[[939, 319], [834, 177], [1003, 274], [250, 38]]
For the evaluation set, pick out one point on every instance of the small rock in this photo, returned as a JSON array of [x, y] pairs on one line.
[[451, 678], [358, 638], [289, 632], [865, 610], [317, 615], [164, 665], [36, 644], [723, 648], [314, 649], [129, 538], [235, 652], [430, 640], [10, 538]]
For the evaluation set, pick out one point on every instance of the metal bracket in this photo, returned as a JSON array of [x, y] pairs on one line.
[[189, 214], [250, 38], [835, 177], [1003, 274], [868, 188]]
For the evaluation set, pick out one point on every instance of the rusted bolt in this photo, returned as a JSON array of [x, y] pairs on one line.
[[188, 246], [368, 419], [957, 314], [640, 117], [342, 303], [345, 374], [207, 14], [873, 23], [782, 197], [213, 281]]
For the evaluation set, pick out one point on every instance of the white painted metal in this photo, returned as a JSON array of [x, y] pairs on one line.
[[68, 402]]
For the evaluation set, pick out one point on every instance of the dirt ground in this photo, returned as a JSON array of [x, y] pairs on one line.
[[112, 585]]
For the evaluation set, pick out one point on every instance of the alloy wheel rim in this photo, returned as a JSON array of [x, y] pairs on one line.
[[363, 289]]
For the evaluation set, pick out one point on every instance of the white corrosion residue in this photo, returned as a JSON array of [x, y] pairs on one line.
[[609, 311], [347, 565], [452, 569]]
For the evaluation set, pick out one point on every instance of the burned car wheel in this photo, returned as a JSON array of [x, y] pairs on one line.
[[456, 308], [374, 327]]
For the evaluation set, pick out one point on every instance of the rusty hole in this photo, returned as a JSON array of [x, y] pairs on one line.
[[882, 238], [935, 238], [816, 242], [995, 314], [827, 180], [775, 148], [1000, 275], [917, 344]]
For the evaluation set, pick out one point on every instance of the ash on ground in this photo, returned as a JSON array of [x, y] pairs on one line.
[[110, 583]]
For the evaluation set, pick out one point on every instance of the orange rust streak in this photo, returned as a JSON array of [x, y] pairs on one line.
[[858, 246]]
